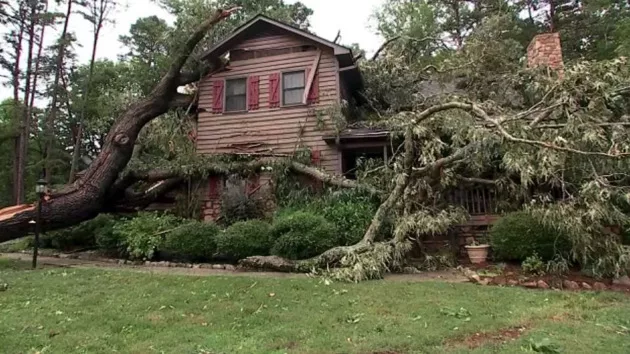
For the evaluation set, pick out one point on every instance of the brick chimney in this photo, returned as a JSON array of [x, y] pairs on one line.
[[545, 50]]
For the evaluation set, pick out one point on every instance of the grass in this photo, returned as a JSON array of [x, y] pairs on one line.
[[59, 310]]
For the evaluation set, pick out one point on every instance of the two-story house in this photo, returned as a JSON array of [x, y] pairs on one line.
[[274, 97]]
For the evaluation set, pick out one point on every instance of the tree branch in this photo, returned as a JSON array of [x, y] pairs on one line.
[[474, 180], [188, 77], [383, 46], [480, 113], [170, 80], [330, 179], [483, 115]]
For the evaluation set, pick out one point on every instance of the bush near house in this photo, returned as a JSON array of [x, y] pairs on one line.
[[144, 234], [84, 235], [349, 211], [244, 239], [302, 234], [194, 241], [518, 235]]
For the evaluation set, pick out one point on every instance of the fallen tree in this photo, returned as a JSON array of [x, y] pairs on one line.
[[92, 192]]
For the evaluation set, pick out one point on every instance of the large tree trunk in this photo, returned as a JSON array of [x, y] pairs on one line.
[[86, 197]]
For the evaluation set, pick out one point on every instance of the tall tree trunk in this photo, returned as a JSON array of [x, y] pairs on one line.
[[52, 114], [16, 110], [38, 62], [76, 152], [91, 193], [26, 117]]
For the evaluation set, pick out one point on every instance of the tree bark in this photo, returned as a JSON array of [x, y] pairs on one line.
[[87, 196]]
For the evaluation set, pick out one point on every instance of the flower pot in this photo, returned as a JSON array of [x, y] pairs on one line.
[[478, 254]]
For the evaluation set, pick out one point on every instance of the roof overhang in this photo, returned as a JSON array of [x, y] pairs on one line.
[[261, 22], [358, 135]]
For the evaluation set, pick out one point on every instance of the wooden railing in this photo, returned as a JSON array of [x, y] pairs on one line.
[[477, 200]]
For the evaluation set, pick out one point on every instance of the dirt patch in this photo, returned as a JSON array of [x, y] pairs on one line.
[[503, 335], [154, 317]]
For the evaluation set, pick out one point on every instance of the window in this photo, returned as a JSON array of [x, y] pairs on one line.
[[293, 87], [235, 95]]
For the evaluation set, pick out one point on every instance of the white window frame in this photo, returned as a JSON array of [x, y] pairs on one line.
[[225, 110], [303, 71]]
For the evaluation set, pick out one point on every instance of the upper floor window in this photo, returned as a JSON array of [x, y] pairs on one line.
[[235, 95], [293, 87]]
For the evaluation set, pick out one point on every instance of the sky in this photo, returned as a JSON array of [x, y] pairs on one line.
[[352, 17]]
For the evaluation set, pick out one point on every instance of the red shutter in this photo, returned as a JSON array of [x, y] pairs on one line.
[[274, 90], [316, 157], [253, 92], [217, 96], [313, 94], [214, 187]]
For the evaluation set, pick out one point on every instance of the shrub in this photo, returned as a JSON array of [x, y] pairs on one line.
[[518, 235], [302, 235], [85, 234], [351, 218], [349, 211], [194, 241], [237, 206], [244, 239], [19, 245], [557, 266], [534, 265], [144, 234]]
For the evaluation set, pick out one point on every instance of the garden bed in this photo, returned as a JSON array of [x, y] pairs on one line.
[[513, 275]]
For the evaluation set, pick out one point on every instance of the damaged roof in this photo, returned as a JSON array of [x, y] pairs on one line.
[[260, 22]]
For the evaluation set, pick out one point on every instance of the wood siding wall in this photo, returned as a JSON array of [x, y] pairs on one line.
[[271, 130]]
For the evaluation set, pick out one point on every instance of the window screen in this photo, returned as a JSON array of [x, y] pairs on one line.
[[235, 95], [293, 87]]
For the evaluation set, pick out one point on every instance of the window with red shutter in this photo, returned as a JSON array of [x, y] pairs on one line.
[[274, 90], [217, 96], [253, 94]]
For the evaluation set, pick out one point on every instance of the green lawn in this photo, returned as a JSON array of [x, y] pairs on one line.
[[97, 311]]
